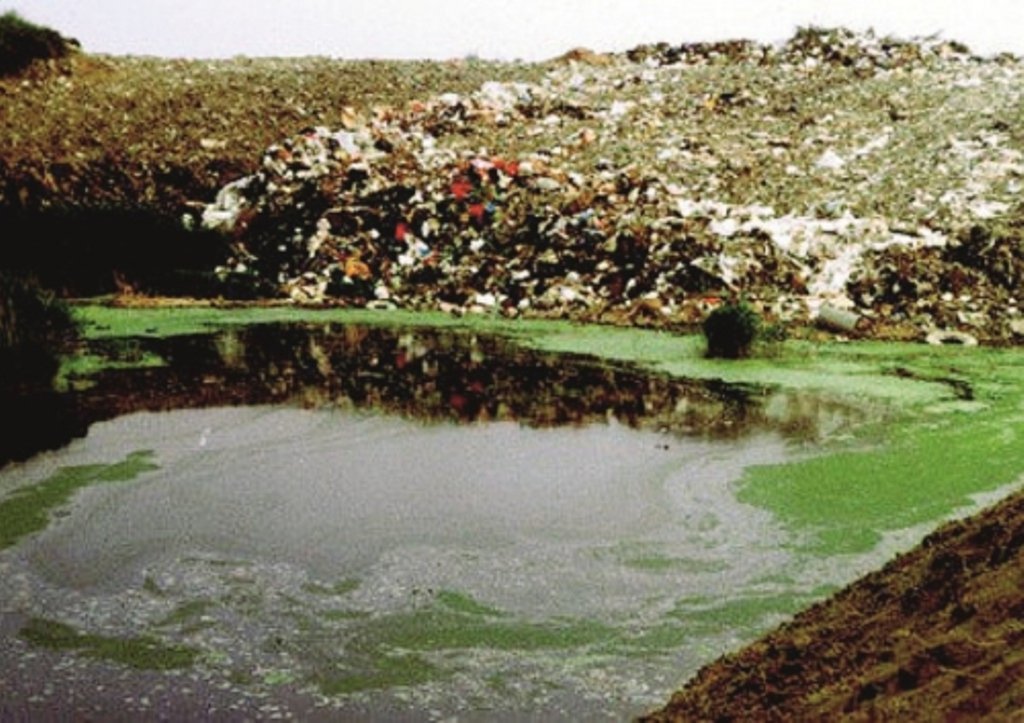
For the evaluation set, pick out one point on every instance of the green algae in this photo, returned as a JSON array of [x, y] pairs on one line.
[[344, 614], [75, 369], [849, 499], [346, 586], [751, 613], [185, 613], [849, 369], [647, 557], [27, 509], [846, 369], [696, 617], [399, 648], [461, 603], [143, 653], [389, 671], [931, 464], [926, 458], [423, 645], [105, 322], [102, 322], [655, 563], [826, 368], [438, 628]]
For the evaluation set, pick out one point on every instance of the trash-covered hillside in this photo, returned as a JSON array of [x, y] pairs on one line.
[[875, 178], [859, 173]]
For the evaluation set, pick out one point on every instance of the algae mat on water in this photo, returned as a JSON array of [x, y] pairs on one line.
[[394, 649], [935, 459], [27, 509], [144, 653], [952, 427]]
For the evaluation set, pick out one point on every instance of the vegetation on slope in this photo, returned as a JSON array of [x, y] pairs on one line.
[[22, 43]]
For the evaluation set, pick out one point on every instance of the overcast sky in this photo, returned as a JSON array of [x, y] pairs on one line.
[[505, 29]]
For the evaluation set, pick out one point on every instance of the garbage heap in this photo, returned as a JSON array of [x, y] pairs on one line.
[[596, 206], [809, 47], [378, 213]]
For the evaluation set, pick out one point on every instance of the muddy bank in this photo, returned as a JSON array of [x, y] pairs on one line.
[[935, 633]]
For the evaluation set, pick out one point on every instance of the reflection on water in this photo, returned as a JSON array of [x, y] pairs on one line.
[[428, 375]]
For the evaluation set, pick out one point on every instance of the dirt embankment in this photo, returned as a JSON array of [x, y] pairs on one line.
[[936, 634], [159, 133], [104, 155]]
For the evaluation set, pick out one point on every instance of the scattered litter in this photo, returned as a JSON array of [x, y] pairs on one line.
[[838, 319], [945, 336], [830, 161]]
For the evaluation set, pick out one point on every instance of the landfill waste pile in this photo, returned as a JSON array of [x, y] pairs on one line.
[[868, 183]]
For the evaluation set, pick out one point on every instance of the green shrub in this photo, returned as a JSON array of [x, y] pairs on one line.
[[22, 42], [731, 329], [34, 327]]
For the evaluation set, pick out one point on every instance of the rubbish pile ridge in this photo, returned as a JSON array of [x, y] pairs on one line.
[[633, 189]]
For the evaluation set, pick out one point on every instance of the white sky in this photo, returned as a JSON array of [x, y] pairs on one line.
[[506, 29]]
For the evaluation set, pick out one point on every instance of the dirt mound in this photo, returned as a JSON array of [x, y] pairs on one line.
[[160, 133], [935, 634]]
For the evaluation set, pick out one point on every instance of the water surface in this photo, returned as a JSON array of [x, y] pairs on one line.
[[343, 521]]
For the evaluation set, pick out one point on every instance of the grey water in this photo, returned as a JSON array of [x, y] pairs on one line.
[[404, 526]]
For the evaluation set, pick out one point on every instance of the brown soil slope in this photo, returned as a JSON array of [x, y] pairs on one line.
[[159, 132], [936, 634]]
